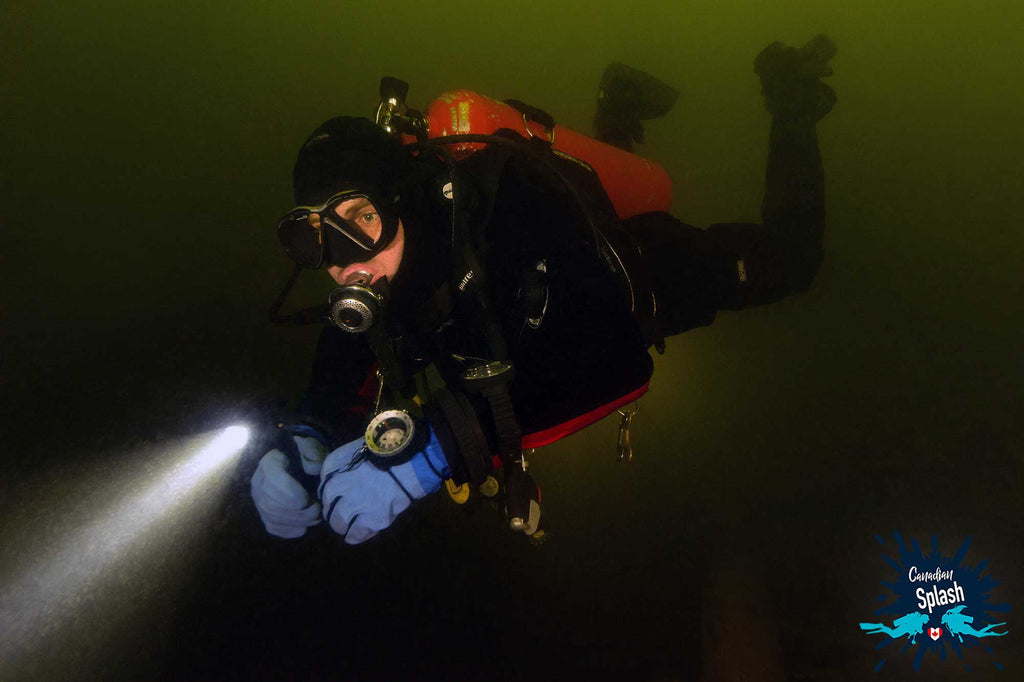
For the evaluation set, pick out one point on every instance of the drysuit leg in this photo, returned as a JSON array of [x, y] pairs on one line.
[[697, 272]]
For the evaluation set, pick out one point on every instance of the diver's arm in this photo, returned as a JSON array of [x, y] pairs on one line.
[[335, 400], [284, 485]]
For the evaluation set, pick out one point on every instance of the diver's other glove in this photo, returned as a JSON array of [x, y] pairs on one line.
[[790, 79], [285, 505], [360, 500]]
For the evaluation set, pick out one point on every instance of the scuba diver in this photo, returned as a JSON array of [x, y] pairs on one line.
[[491, 302]]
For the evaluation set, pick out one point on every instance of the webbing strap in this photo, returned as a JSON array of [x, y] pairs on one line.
[[533, 113], [509, 434], [465, 430], [387, 359]]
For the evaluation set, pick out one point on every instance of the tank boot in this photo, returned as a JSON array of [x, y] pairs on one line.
[[790, 79], [626, 97]]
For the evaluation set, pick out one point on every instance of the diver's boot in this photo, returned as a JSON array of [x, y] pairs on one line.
[[790, 79], [626, 97]]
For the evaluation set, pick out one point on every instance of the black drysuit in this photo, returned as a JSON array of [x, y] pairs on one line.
[[588, 348]]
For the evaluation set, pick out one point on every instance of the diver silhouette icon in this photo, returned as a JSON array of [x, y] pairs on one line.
[[909, 626], [959, 624]]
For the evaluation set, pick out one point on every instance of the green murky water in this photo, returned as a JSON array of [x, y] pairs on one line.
[[147, 152]]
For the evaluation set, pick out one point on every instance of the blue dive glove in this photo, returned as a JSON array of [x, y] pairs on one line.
[[361, 501], [286, 507]]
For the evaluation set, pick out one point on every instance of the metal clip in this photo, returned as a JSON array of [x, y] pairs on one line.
[[625, 447], [380, 393], [522, 458]]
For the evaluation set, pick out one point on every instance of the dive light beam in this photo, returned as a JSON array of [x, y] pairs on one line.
[[81, 559]]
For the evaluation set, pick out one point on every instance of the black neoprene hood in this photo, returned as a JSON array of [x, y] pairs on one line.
[[346, 152]]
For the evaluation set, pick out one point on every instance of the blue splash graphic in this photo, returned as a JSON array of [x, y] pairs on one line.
[[936, 604]]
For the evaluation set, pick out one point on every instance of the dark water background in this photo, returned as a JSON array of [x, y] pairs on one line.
[[147, 151]]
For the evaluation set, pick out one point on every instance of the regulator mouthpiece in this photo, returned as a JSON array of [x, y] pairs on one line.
[[359, 277], [358, 305]]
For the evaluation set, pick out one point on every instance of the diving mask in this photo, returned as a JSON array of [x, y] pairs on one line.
[[347, 228]]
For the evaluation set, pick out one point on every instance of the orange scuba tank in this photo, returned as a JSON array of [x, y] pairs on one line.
[[634, 184]]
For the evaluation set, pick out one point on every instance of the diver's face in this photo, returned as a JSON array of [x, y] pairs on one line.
[[360, 214]]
